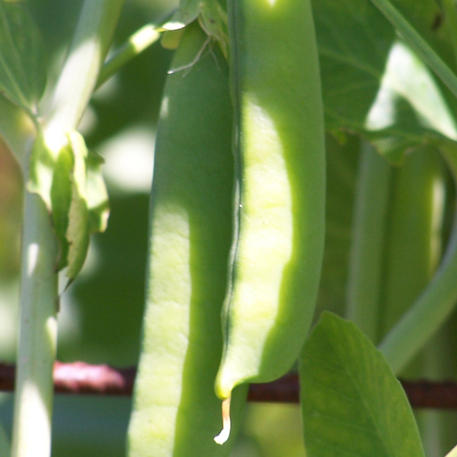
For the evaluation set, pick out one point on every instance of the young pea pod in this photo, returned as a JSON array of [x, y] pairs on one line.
[[175, 410], [280, 190]]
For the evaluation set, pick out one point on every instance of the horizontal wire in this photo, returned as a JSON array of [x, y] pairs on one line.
[[83, 378]]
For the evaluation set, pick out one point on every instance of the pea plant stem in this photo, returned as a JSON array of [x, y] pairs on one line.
[[430, 310], [414, 40], [64, 106], [426, 315], [450, 13], [39, 282], [135, 44], [37, 334], [365, 264]]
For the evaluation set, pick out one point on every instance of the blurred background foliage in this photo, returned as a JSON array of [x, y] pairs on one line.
[[100, 317]]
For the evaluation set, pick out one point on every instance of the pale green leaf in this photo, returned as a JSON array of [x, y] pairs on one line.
[[71, 185], [77, 233], [61, 197], [16, 129], [22, 63], [352, 403]]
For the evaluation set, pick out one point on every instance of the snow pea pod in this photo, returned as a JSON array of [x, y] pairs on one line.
[[280, 190], [175, 411]]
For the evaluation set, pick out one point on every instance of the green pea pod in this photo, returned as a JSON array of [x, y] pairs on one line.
[[279, 212], [175, 411]]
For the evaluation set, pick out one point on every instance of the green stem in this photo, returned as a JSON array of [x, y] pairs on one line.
[[365, 264], [431, 309], [426, 315], [135, 44], [418, 44], [450, 13], [37, 333], [63, 109], [411, 255], [61, 112]]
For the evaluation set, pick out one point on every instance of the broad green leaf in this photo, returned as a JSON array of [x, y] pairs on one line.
[[430, 19], [22, 63], [354, 42], [352, 404], [371, 81], [72, 187], [16, 129]]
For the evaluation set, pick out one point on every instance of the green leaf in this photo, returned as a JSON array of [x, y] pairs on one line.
[[96, 194], [210, 15], [430, 20], [77, 233], [186, 13], [22, 63], [371, 81], [71, 185], [60, 198], [352, 404]]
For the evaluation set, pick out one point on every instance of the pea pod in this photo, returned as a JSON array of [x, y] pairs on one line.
[[280, 189], [175, 410]]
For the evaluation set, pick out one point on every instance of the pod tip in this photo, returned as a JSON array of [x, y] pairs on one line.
[[226, 424]]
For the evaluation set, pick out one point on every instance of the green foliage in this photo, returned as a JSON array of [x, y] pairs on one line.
[[71, 185], [352, 403], [210, 15], [22, 60], [380, 77]]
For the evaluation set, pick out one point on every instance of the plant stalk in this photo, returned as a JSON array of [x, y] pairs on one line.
[[37, 333], [426, 315], [367, 247], [63, 108], [135, 44], [450, 13], [431, 309], [60, 113]]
